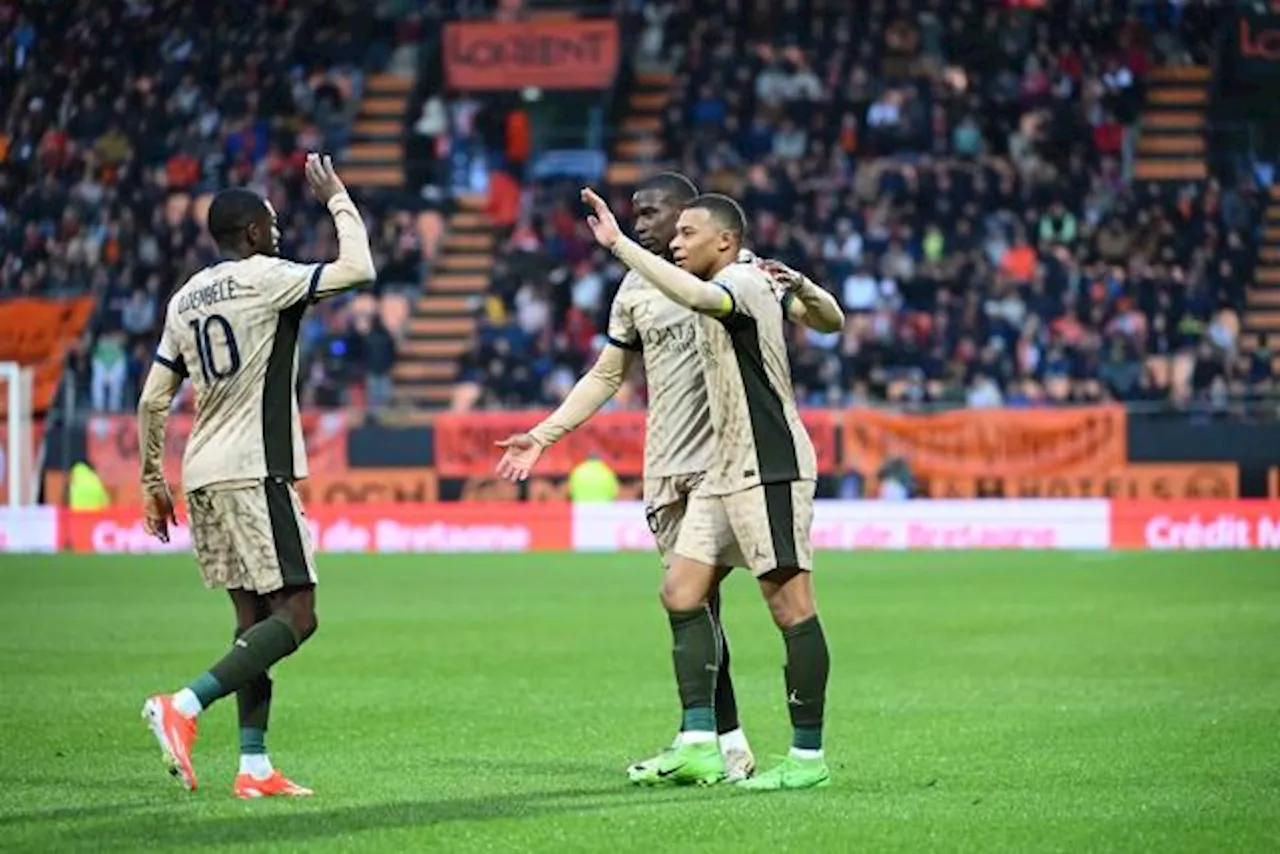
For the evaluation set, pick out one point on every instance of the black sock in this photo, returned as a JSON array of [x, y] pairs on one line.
[[726, 702], [695, 652], [253, 653], [806, 675], [253, 701]]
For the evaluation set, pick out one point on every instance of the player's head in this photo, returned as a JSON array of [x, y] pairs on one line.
[[243, 223], [657, 204], [709, 234]]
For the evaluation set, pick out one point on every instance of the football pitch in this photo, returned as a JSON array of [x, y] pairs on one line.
[[979, 702]]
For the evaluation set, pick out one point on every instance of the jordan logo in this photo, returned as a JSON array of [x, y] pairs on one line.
[[793, 700]]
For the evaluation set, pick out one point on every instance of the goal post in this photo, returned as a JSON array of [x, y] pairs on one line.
[[17, 456]]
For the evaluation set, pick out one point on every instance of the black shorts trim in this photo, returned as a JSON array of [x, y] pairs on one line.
[[290, 552], [781, 512]]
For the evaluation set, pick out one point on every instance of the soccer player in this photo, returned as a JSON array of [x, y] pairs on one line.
[[678, 428], [757, 496], [233, 329]]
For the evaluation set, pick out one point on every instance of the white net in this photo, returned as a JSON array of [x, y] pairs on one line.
[[17, 436]]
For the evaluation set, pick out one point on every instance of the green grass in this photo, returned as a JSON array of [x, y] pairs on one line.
[[979, 702]]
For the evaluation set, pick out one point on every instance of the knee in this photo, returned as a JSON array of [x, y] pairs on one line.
[[791, 613], [300, 614], [680, 597], [305, 624]]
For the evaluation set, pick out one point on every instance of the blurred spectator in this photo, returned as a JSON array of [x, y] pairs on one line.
[[119, 123], [956, 174]]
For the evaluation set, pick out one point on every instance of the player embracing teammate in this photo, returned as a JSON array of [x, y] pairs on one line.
[[729, 468]]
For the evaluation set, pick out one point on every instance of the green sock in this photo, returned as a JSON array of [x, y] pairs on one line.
[[808, 665], [254, 652], [253, 703], [207, 688], [253, 741], [695, 651], [698, 719]]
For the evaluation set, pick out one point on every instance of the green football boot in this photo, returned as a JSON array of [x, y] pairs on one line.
[[791, 773], [681, 765]]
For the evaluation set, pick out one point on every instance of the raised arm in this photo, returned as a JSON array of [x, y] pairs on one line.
[[354, 266], [295, 283], [682, 287]]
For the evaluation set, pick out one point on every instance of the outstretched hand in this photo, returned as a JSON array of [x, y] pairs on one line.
[[604, 225], [521, 454]]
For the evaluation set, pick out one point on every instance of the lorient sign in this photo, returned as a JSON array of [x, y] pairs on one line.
[[571, 54], [1257, 44]]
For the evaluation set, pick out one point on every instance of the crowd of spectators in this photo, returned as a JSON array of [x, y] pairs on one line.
[[119, 118], [959, 175]]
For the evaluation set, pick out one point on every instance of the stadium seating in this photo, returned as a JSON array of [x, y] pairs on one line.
[[113, 146], [1014, 205]]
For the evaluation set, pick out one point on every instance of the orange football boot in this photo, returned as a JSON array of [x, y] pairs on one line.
[[276, 786], [176, 735]]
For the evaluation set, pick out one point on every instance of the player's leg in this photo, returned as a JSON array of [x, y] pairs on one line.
[[292, 600], [695, 650], [258, 778], [668, 503], [773, 524], [253, 700], [739, 761]]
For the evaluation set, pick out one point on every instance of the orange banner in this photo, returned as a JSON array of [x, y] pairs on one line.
[[1134, 481], [1273, 482], [111, 443], [975, 443], [324, 488], [369, 486], [495, 55], [464, 441]]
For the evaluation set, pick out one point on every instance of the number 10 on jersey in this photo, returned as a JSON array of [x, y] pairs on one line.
[[219, 359]]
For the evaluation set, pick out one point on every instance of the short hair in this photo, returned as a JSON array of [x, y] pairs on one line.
[[231, 211], [672, 184], [724, 211]]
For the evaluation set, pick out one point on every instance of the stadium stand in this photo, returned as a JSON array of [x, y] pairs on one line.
[[120, 118], [1013, 203]]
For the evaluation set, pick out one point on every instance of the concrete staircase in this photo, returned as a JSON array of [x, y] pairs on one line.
[[1171, 143], [375, 156], [1262, 314], [639, 144], [443, 324]]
